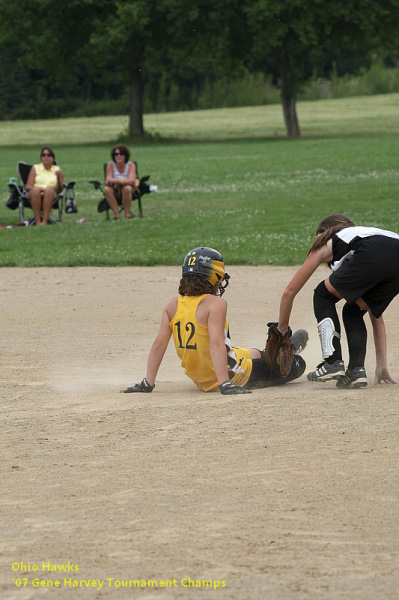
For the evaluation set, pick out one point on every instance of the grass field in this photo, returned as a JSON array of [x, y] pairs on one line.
[[231, 181]]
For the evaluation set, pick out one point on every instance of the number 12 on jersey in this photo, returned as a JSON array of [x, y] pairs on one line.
[[190, 328]]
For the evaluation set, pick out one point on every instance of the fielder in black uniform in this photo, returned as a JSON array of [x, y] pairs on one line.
[[365, 272]]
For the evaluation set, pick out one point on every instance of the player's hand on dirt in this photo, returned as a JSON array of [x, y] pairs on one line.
[[142, 387], [229, 389], [382, 376]]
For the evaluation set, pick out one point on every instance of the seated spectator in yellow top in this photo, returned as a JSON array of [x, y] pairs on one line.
[[45, 181], [120, 181]]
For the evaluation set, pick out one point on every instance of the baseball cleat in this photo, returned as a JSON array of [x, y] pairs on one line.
[[299, 339], [354, 378], [326, 371]]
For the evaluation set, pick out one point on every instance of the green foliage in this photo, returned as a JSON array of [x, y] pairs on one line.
[[245, 89], [252, 89], [100, 108], [257, 200], [290, 31], [19, 101], [379, 79], [91, 57]]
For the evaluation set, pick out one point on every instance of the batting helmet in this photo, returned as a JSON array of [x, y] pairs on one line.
[[208, 264]]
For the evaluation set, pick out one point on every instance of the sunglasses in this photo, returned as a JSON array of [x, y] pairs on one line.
[[118, 154], [47, 155]]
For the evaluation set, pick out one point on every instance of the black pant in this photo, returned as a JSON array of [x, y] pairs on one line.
[[262, 377]]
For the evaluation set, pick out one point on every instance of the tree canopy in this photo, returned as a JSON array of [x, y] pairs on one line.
[[290, 30], [51, 49]]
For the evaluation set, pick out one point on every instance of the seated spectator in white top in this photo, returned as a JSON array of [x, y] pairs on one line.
[[120, 181]]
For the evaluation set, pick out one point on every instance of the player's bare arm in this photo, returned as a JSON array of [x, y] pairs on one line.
[[158, 348], [314, 259], [217, 311], [157, 351], [381, 351]]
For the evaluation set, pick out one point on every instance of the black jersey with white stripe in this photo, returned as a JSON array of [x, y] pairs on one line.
[[347, 240]]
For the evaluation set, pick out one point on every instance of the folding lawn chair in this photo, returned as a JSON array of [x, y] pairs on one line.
[[141, 188], [19, 197]]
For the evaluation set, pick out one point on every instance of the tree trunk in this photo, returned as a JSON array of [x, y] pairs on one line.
[[290, 116], [136, 126]]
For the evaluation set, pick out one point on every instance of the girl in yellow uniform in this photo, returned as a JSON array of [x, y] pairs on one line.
[[192, 345], [197, 321]]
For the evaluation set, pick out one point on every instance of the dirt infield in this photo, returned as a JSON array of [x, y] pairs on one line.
[[288, 493]]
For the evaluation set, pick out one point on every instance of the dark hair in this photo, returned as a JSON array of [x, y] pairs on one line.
[[328, 226], [49, 150], [123, 150], [194, 285]]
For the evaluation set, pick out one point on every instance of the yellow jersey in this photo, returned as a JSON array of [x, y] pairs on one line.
[[46, 178], [192, 346]]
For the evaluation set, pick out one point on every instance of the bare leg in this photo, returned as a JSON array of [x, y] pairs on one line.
[[35, 197], [48, 199], [111, 200], [127, 195], [332, 289]]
